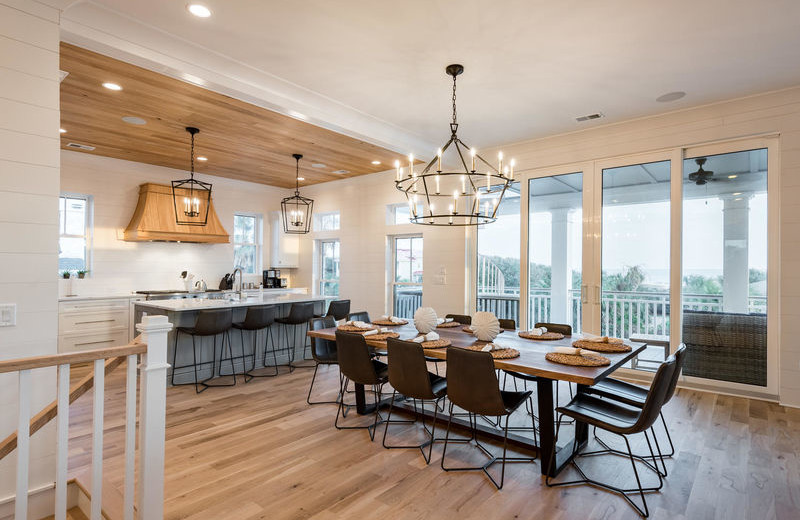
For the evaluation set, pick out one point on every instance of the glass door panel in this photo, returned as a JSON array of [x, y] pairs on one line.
[[407, 283], [635, 265], [725, 267], [555, 219]]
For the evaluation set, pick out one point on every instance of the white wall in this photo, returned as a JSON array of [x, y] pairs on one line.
[[29, 186], [121, 267]]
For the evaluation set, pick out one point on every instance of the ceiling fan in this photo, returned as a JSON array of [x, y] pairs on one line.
[[701, 176]]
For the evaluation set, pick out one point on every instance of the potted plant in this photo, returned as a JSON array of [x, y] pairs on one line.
[[82, 274], [65, 275]]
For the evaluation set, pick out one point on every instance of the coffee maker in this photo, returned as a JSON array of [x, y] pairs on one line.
[[272, 278]]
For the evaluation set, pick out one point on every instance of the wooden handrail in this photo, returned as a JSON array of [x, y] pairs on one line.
[[83, 356]]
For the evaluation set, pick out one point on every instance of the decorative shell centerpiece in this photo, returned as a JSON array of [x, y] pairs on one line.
[[425, 319], [485, 326]]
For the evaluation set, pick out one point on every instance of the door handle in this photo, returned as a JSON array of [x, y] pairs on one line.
[[584, 294], [597, 292]]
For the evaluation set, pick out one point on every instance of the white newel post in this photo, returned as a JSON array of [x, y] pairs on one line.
[[152, 418]]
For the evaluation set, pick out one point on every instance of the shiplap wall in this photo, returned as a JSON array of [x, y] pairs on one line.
[[29, 186], [119, 267]]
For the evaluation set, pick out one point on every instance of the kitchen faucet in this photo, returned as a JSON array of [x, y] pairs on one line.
[[241, 282]]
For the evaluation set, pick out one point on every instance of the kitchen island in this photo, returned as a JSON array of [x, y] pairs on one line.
[[183, 313]]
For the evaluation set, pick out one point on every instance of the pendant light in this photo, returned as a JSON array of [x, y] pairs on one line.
[[454, 196], [296, 210], [190, 197]]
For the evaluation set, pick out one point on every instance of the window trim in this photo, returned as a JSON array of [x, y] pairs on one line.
[[321, 265], [393, 268], [258, 235], [88, 231], [318, 217]]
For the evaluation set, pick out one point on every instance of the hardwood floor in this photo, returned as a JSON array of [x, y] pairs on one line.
[[259, 451]]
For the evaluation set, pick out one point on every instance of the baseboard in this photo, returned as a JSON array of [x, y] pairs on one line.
[[41, 503]]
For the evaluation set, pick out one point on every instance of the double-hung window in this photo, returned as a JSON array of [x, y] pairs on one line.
[[328, 267], [247, 242], [74, 232]]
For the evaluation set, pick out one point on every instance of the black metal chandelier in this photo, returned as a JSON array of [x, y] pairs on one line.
[[296, 210], [191, 197], [455, 197]]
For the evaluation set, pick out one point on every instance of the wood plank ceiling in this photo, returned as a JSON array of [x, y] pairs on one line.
[[240, 140]]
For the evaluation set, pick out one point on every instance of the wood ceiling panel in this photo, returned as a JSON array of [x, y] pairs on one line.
[[242, 141]]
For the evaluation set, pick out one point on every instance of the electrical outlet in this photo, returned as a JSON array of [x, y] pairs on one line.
[[8, 314]]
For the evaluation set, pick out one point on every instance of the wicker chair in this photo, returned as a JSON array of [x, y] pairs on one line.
[[726, 346]]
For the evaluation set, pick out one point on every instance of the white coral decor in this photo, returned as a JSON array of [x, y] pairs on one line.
[[485, 326], [425, 319]]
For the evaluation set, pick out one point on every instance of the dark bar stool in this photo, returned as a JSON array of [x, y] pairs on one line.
[[461, 318], [338, 309], [258, 318], [472, 385], [408, 374], [212, 322], [324, 353], [299, 316]]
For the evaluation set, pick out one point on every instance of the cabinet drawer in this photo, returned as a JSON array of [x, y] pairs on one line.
[[93, 305], [96, 320], [101, 339]]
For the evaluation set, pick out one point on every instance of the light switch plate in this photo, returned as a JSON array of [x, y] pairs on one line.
[[8, 314]]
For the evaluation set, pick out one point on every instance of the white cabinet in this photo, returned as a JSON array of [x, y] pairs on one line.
[[284, 249], [91, 324]]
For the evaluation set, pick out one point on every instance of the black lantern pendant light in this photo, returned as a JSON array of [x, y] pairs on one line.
[[191, 197], [297, 209], [455, 197]]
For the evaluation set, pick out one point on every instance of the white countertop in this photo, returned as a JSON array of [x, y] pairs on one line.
[[194, 304], [113, 296]]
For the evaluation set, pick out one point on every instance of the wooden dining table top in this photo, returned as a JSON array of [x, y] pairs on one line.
[[531, 360]]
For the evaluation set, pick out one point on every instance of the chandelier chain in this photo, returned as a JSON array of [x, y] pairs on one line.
[[455, 121], [192, 160]]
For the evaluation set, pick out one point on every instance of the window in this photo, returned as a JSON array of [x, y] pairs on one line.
[[328, 267], [74, 232], [407, 279], [326, 221], [400, 213], [247, 242]]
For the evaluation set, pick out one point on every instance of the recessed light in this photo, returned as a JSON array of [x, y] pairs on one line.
[[318, 165], [111, 86], [62, 131], [737, 193], [732, 176], [301, 178], [133, 120], [376, 162], [341, 171], [670, 96], [202, 158], [199, 10], [297, 115]]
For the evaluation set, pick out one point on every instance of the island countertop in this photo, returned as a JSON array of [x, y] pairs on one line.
[[196, 304]]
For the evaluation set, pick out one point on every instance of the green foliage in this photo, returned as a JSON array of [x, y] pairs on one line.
[[628, 280], [757, 275], [699, 284]]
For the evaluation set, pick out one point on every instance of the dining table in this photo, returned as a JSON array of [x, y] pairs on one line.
[[531, 362]]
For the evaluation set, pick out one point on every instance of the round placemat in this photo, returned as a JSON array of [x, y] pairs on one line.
[[582, 360], [382, 336], [601, 347], [439, 343], [389, 323], [499, 353], [448, 325], [353, 328], [547, 336], [467, 329]]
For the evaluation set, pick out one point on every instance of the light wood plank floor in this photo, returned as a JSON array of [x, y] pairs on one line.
[[258, 451]]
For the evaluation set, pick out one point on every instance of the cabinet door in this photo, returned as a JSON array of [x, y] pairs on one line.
[[285, 250]]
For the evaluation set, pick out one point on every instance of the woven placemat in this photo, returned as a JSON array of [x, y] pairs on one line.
[[601, 347], [469, 330], [499, 353], [581, 360], [439, 343], [353, 328], [382, 336], [388, 323], [448, 325], [547, 336]]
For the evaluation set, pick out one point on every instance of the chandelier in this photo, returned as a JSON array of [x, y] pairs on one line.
[[296, 210], [190, 197], [452, 196]]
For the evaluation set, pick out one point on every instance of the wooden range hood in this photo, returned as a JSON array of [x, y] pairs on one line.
[[154, 220]]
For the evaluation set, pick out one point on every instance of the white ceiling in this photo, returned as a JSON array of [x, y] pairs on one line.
[[376, 69]]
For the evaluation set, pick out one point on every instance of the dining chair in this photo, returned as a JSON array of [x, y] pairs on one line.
[[463, 319], [508, 324], [623, 420], [359, 316], [472, 385], [214, 323], [323, 352]]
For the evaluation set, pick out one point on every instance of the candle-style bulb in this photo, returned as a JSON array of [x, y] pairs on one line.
[[473, 153], [439, 155]]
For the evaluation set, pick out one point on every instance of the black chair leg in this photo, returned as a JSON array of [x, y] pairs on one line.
[[340, 410], [311, 387]]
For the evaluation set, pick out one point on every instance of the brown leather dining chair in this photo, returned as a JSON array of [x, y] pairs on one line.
[[408, 374], [507, 324], [472, 386], [323, 352], [463, 319]]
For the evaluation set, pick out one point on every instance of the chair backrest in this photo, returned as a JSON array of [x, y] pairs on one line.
[[300, 313], [322, 348], [461, 318], [656, 396], [259, 317], [556, 327], [339, 309], [355, 362], [508, 324], [679, 357], [213, 321], [408, 371], [472, 382], [359, 316]]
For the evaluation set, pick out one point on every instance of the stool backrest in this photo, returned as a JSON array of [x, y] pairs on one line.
[[463, 319], [300, 313], [322, 347], [259, 317], [679, 355], [339, 309], [408, 371], [508, 324], [213, 321], [561, 328], [472, 383], [359, 316], [656, 396], [355, 362]]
